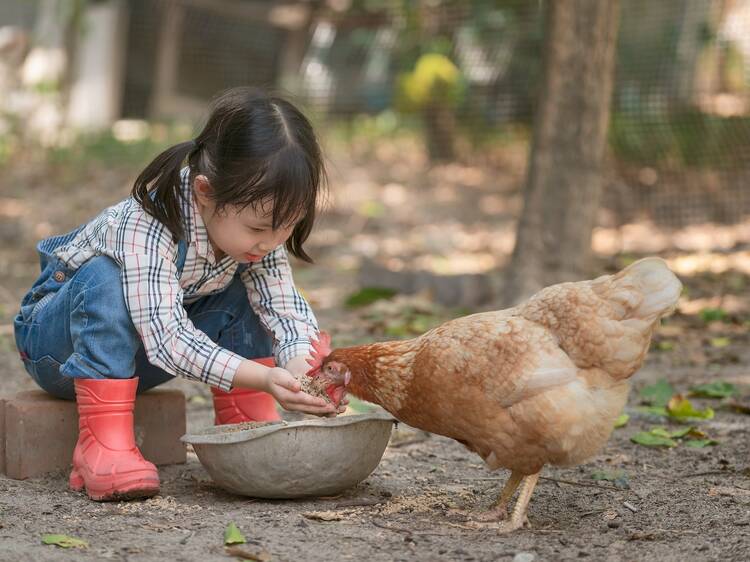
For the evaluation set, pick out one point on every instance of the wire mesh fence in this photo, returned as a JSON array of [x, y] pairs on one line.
[[461, 75]]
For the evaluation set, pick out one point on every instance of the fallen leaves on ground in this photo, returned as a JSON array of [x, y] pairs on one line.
[[618, 477], [64, 541], [738, 407], [662, 437], [716, 389], [720, 342], [622, 420], [662, 399], [709, 315], [232, 535], [657, 394], [368, 295], [680, 408]]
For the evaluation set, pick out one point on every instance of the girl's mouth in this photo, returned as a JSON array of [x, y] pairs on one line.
[[253, 257]]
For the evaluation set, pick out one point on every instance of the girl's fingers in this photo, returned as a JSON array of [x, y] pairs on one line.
[[306, 400], [301, 399], [290, 383], [321, 412], [315, 410]]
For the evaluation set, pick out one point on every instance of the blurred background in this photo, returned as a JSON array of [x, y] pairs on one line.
[[428, 111]]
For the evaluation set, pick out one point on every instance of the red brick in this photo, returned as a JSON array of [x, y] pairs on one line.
[[159, 424], [41, 431], [2, 435]]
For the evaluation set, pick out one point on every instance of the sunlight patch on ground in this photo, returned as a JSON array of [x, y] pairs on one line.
[[730, 303], [13, 208], [692, 264], [323, 297], [646, 237]]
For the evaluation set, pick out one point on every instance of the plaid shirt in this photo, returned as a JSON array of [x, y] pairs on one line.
[[155, 291]]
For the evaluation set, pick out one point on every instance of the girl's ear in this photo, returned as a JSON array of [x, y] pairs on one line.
[[203, 190]]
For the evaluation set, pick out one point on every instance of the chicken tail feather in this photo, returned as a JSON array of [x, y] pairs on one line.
[[647, 289]]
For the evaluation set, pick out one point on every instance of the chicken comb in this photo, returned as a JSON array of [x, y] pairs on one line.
[[321, 348]]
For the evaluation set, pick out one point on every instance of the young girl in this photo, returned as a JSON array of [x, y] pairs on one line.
[[188, 276]]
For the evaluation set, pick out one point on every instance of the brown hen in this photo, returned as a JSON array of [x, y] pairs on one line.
[[541, 383]]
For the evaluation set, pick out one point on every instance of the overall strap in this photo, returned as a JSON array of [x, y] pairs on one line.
[[181, 255]]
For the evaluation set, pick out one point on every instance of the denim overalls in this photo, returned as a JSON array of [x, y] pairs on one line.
[[76, 323]]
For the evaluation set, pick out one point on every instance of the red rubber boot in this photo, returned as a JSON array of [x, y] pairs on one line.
[[243, 404], [106, 460]]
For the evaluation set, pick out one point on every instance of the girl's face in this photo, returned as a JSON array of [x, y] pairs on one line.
[[246, 235]]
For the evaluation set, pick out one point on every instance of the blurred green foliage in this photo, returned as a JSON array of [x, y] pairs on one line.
[[687, 138], [99, 148], [735, 75], [425, 67], [106, 149], [368, 295]]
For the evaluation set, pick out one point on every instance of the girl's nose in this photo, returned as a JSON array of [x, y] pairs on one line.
[[267, 246], [274, 240]]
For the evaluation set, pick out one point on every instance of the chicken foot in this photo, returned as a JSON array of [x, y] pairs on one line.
[[499, 511], [518, 516]]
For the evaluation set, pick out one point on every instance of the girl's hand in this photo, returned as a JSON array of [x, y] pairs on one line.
[[282, 385]]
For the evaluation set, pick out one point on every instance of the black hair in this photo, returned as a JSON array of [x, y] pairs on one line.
[[255, 148]]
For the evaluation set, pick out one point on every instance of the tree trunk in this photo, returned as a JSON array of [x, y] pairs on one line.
[[563, 183], [440, 132]]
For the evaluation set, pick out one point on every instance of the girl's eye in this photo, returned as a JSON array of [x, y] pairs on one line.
[[255, 229]]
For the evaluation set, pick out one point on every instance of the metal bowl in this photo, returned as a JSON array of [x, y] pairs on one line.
[[313, 457]]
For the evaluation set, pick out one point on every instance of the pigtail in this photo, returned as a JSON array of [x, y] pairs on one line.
[[158, 188]]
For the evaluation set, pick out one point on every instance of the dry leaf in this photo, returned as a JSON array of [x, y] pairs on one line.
[[323, 515], [618, 459], [239, 552], [728, 491], [739, 407]]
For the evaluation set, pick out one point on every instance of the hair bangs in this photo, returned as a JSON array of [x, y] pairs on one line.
[[284, 187]]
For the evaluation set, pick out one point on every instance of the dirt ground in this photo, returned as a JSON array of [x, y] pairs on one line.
[[667, 504]]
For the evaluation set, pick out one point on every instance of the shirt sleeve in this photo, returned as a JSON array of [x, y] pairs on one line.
[[280, 306], [154, 299]]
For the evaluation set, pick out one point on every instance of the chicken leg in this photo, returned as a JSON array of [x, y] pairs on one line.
[[518, 516], [498, 511]]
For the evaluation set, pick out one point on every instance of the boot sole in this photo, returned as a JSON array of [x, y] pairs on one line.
[[137, 488], [138, 494]]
